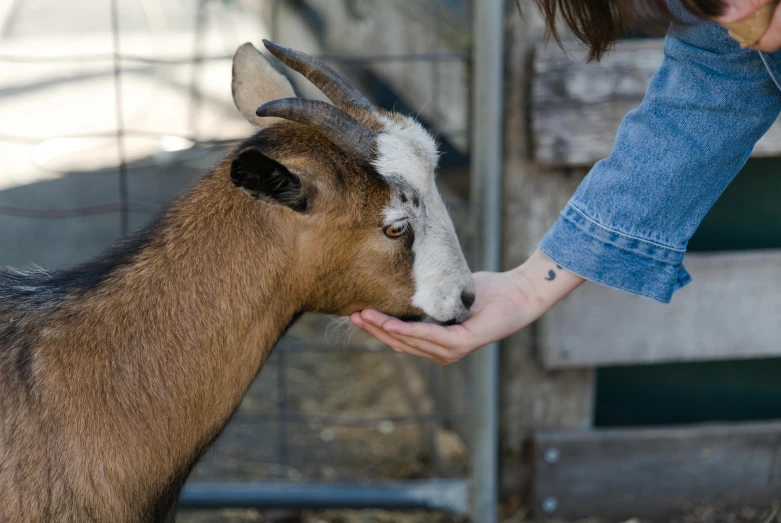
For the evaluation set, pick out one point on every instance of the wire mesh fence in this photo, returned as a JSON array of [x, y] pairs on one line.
[[128, 103]]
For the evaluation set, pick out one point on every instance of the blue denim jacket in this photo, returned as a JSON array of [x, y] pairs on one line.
[[628, 224]]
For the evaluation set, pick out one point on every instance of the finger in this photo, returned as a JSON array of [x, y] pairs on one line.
[[736, 10], [375, 317], [382, 336], [428, 331], [446, 343], [446, 354], [396, 344], [451, 336], [385, 323], [771, 40], [412, 351], [379, 319], [421, 348]]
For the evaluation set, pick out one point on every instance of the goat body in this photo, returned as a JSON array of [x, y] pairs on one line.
[[116, 375]]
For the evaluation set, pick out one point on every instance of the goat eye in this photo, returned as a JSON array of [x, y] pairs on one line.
[[396, 230]]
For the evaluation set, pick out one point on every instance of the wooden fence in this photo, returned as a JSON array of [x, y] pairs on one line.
[[562, 116]]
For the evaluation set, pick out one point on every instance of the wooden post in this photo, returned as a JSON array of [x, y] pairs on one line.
[[531, 398]]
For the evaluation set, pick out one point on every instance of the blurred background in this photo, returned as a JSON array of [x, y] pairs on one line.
[[610, 407]]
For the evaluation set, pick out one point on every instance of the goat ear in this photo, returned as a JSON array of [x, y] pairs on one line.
[[255, 82], [262, 177]]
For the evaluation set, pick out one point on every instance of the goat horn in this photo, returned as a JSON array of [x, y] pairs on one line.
[[336, 88], [347, 133]]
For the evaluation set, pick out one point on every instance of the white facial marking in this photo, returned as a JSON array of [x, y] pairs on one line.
[[407, 157]]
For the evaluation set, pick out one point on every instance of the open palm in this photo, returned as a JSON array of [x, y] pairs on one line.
[[502, 307]]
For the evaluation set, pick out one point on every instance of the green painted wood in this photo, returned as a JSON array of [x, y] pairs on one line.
[[748, 214]]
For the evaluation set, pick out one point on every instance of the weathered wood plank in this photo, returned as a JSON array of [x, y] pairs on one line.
[[531, 398], [732, 309], [577, 107], [619, 474]]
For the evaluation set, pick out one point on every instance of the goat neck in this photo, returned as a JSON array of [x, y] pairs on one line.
[[143, 370]]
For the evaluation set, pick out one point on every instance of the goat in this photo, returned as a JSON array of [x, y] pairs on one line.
[[116, 375]]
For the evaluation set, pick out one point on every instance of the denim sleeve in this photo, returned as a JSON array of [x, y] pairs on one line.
[[628, 224]]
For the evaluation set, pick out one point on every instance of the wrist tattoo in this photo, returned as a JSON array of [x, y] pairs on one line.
[[552, 274]]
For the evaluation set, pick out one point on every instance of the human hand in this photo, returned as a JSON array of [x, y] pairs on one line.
[[505, 302], [753, 23]]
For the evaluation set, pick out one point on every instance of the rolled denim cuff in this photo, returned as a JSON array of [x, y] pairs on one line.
[[602, 255]]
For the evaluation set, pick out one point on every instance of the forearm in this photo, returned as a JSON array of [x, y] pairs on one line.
[[542, 284], [629, 223]]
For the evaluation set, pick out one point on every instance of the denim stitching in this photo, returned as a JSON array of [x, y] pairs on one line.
[[769, 70], [583, 228], [608, 229]]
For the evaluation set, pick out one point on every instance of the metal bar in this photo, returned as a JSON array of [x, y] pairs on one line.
[[9, 14], [275, 14], [151, 207], [282, 408], [433, 423], [347, 421], [78, 212], [128, 132], [284, 417], [445, 495], [486, 182], [347, 59], [124, 219], [433, 371], [194, 112], [33, 140]]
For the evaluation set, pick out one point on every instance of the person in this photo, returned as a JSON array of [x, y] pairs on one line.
[[628, 223]]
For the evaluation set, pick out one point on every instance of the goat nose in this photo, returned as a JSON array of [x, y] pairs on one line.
[[468, 299]]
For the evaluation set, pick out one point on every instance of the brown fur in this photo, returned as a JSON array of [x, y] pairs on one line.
[[110, 393]]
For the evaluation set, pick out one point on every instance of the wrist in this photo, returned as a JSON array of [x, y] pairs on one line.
[[523, 284], [542, 283]]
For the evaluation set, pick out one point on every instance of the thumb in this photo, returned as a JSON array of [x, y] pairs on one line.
[[735, 10]]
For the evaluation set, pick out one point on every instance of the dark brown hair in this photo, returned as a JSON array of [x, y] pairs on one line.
[[600, 23]]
